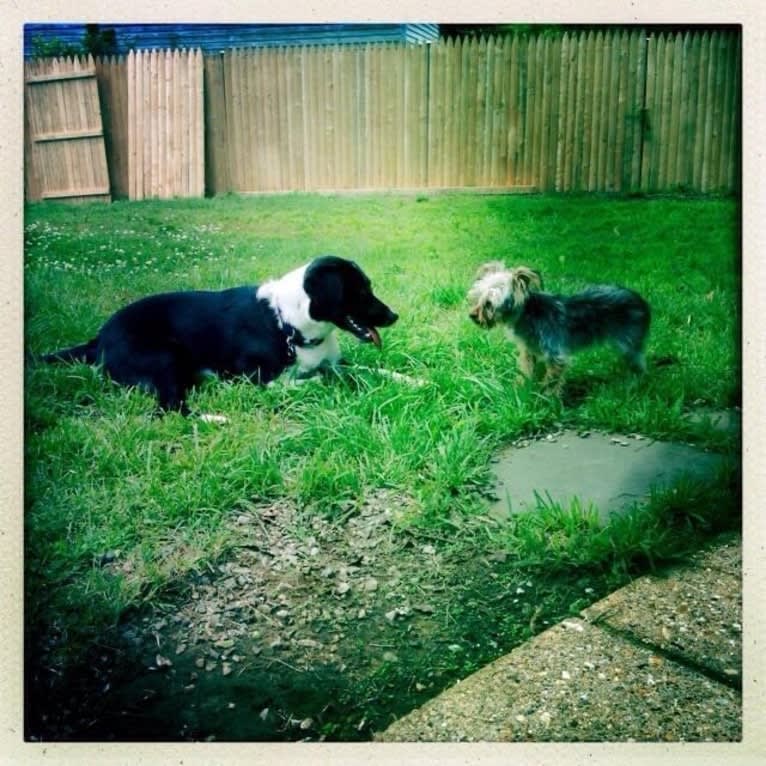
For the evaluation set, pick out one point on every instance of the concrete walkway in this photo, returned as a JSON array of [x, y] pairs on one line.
[[658, 660]]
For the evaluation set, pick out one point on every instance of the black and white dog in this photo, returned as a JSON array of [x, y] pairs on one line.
[[164, 342]]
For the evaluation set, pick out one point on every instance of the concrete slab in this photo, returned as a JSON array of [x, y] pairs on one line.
[[577, 683], [610, 472], [724, 555], [720, 420], [691, 613]]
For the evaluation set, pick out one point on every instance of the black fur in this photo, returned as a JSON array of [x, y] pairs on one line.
[[164, 342], [556, 325]]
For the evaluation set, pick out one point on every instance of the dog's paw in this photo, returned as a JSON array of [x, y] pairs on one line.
[[208, 417]]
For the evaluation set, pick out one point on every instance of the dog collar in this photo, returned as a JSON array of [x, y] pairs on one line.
[[294, 338]]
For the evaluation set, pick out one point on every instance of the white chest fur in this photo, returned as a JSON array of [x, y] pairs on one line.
[[311, 358], [288, 298]]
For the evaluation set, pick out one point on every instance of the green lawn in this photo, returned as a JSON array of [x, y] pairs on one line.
[[103, 475]]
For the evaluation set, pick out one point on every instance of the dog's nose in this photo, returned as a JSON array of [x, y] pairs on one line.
[[394, 316]]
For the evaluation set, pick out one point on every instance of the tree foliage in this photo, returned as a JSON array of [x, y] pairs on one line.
[[96, 42]]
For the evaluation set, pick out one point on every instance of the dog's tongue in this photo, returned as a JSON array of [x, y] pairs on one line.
[[375, 335]]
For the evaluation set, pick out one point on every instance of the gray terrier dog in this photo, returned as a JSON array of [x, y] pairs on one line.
[[547, 328]]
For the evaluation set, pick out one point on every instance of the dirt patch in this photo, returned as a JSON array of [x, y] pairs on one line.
[[311, 629]]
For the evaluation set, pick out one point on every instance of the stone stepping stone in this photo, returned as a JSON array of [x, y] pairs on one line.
[[608, 471], [720, 420]]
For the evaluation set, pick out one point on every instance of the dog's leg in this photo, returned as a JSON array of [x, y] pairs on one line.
[[527, 363], [633, 354], [553, 380], [171, 391], [171, 399], [636, 361]]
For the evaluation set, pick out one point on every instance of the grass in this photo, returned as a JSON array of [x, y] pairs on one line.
[[102, 475], [565, 539]]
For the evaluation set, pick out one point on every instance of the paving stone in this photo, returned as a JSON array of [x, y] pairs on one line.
[[725, 555], [577, 682], [692, 613], [610, 472], [721, 420]]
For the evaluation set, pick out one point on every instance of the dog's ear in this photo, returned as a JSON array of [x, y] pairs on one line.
[[532, 279], [490, 268]]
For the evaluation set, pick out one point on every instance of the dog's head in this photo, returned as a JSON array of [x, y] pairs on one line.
[[499, 292], [341, 293]]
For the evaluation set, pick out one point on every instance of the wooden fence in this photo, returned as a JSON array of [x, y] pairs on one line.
[[613, 110], [64, 136]]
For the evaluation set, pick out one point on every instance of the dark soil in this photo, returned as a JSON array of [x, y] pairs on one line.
[[310, 630]]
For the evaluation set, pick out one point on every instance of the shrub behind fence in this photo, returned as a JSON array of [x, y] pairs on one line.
[[614, 110]]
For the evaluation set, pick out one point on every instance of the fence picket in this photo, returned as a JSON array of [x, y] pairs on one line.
[[248, 119], [508, 114], [670, 139], [252, 118], [617, 149], [602, 116], [708, 129], [575, 129], [271, 148], [666, 107], [454, 115], [565, 157], [727, 77], [715, 146], [546, 98], [588, 117], [614, 111], [482, 100], [438, 127], [631, 114], [681, 159], [732, 170], [143, 108], [648, 111]]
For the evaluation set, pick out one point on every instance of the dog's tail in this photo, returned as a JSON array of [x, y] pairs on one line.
[[85, 352]]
